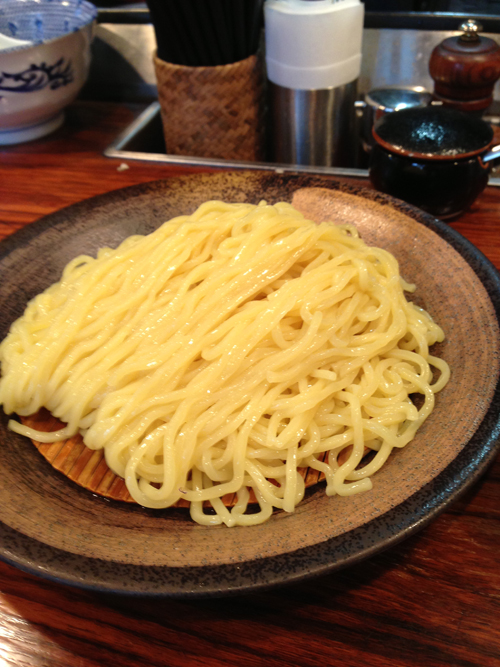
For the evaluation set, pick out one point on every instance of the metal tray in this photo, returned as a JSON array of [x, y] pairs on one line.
[[143, 140]]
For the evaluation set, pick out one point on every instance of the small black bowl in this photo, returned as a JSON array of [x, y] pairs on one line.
[[435, 158]]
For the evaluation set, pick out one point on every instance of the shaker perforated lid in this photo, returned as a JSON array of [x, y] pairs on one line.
[[434, 132]]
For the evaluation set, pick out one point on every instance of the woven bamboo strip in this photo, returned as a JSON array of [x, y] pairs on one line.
[[89, 469]]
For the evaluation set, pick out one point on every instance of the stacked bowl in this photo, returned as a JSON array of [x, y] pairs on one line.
[[44, 62]]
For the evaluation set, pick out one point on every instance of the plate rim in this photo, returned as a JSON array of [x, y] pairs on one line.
[[397, 524]]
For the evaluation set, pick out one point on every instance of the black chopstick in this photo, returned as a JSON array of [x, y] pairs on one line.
[[206, 32], [223, 33], [209, 32]]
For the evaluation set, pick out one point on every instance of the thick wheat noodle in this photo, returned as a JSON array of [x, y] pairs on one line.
[[223, 352]]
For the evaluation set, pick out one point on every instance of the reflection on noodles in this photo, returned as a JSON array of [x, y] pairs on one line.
[[225, 351]]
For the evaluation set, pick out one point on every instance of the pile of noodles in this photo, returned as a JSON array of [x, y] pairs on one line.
[[225, 352]]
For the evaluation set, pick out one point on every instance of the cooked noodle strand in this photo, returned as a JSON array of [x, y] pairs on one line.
[[225, 352]]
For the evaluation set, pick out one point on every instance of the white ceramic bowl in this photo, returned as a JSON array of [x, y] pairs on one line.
[[37, 81]]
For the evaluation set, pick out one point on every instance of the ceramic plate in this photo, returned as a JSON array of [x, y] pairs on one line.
[[52, 527]]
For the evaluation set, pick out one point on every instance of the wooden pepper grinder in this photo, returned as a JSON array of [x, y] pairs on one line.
[[465, 69]]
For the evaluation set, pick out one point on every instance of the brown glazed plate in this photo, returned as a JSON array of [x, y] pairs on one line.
[[52, 527]]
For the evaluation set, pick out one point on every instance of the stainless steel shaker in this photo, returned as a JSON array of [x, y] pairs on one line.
[[313, 58]]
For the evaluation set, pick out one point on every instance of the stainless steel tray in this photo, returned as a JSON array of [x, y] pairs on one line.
[[143, 140]]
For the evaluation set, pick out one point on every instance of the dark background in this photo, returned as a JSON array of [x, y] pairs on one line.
[[459, 6]]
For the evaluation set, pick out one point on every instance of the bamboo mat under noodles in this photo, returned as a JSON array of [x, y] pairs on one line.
[[89, 469]]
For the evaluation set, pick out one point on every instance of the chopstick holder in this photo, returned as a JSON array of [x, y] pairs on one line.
[[213, 112]]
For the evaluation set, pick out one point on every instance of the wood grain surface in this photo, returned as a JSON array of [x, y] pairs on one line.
[[433, 600]]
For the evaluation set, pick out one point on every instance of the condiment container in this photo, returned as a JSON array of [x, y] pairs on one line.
[[379, 101], [313, 58], [465, 69], [435, 158]]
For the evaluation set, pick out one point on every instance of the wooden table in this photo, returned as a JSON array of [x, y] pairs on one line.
[[433, 600]]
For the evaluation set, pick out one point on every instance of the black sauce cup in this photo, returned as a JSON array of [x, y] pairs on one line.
[[436, 158]]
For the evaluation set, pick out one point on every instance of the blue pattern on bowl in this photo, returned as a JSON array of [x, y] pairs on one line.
[[43, 20], [37, 77]]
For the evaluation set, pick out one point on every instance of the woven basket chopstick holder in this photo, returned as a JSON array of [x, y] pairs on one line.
[[213, 112]]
